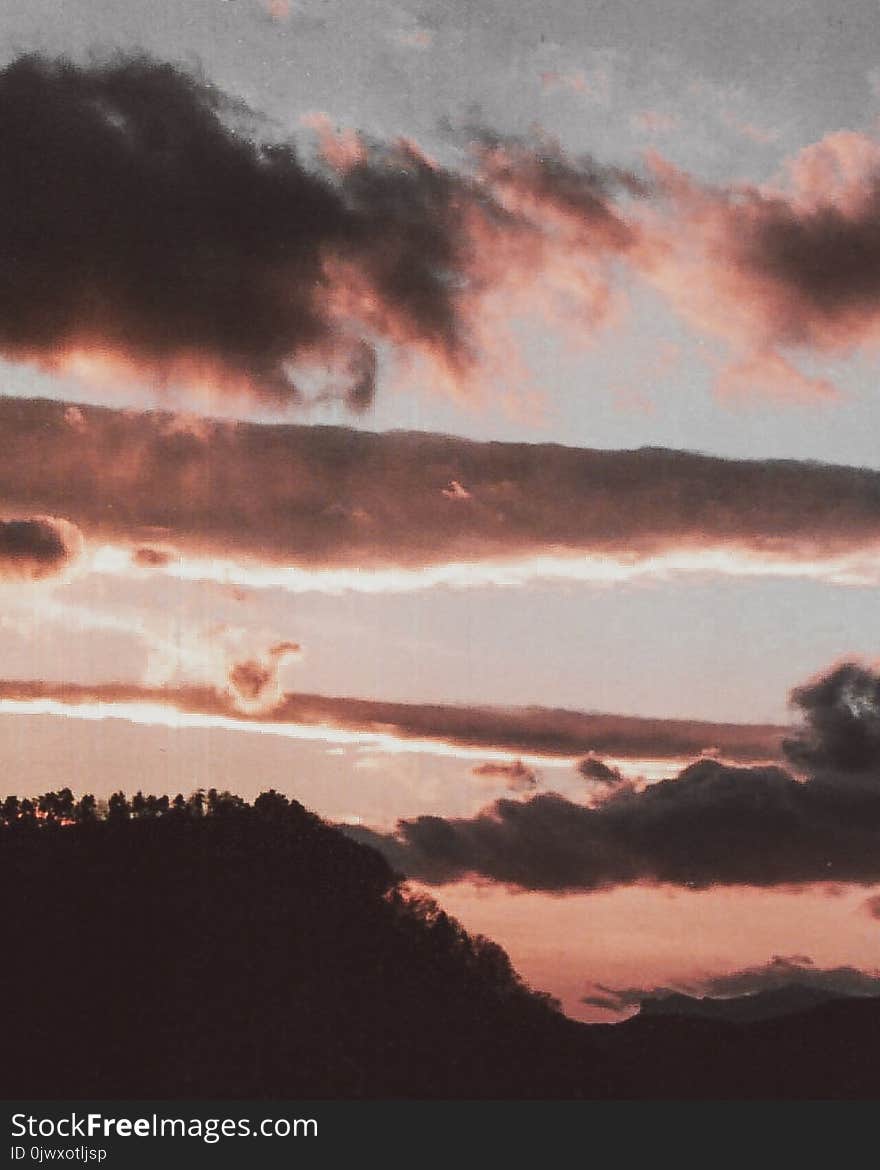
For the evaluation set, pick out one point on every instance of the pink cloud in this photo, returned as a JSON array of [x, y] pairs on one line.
[[776, 270]]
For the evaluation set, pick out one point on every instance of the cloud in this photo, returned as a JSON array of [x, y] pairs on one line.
[[781, 971], [37, 548], [153, 229], [517, 774], [323, 498], [537, 732], [540, 731], [149, 226], [141, 225], [596, 770], [254, 682], [713, 824], [780, 269], [841, 722]]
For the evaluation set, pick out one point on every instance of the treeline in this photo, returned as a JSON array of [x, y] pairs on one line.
[[52, 809]]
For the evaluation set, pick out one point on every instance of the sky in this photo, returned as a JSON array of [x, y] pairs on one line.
[[461, 417]]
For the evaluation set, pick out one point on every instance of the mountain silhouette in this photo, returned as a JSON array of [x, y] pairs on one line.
[[207, 948], [761, 1005]]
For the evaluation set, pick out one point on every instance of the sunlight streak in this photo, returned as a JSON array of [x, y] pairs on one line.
[[860, 568], [147, 714]]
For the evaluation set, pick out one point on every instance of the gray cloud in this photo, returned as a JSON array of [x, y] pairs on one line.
[[711, 825]]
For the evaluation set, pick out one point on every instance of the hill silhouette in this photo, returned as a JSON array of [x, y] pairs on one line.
[[207, 948], [761, 1005]]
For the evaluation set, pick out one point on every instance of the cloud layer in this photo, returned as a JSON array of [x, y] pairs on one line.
[[532, 731], [323, 497]]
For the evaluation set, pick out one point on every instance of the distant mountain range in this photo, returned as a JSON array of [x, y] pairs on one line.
[[743, 1009]]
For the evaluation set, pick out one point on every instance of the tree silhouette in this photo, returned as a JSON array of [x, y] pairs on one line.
[[117, 808], [86, 809], [9, 810]]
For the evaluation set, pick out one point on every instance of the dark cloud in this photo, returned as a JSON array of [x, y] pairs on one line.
[[596, 770], [37, 548], [517, 775], [145, 219], [841, 721], [540, 730], [818, 249], [137, 219], [779, 973], [711, 825], [334, 497]]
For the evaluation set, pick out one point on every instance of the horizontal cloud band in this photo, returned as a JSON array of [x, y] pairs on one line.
[[536, 732], [169, 488]]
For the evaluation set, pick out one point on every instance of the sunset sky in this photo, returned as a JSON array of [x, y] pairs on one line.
[[462, 418]]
